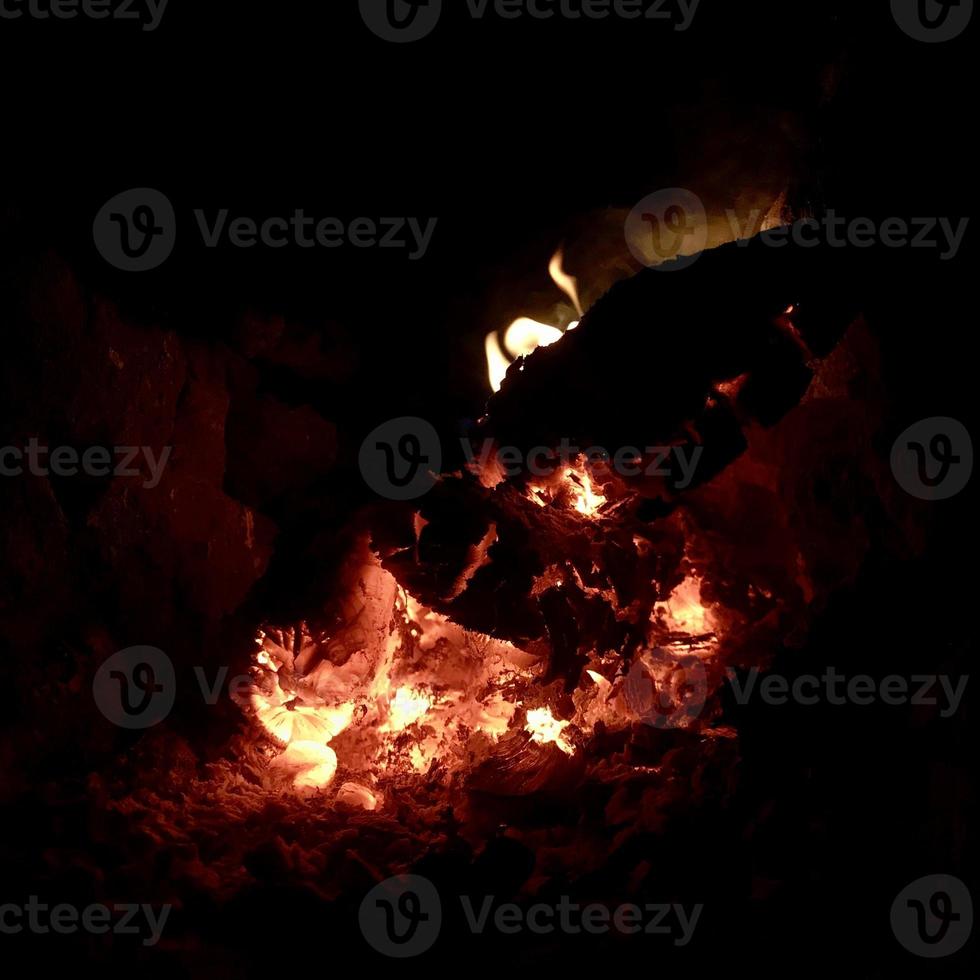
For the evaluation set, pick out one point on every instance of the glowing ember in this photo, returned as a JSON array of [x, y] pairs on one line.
[[684, 611], [545, 729], [407, 693], [353, 794], [586, 499], [576, 487], [315, 764], [406, 708]]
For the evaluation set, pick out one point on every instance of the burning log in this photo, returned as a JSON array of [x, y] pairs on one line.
[[499, 633], [699, 363]]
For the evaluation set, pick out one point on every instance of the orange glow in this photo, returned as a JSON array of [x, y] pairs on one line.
[[575, 485], [415, 695], [406, 708], [546, 729], [684, 611]]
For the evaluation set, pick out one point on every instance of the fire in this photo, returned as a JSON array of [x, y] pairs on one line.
[[566, 283], [524, 335], [414, 695], [575, 487], [546, 729], [684, 612], [406, 708]]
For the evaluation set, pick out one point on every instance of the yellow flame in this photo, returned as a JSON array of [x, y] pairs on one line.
[[586, 499], [497, 363], [524, 335], [577, 482], [406, 708], [566, 283], [545, 728], [684, 611]]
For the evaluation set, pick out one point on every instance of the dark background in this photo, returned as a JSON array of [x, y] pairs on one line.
[[512, 134]]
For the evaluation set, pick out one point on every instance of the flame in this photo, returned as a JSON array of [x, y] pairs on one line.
[[576, 486], [524, 335], [566, 283], [406, 708], [545, 729], [426, 697], [497, 363], [684, 611]]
